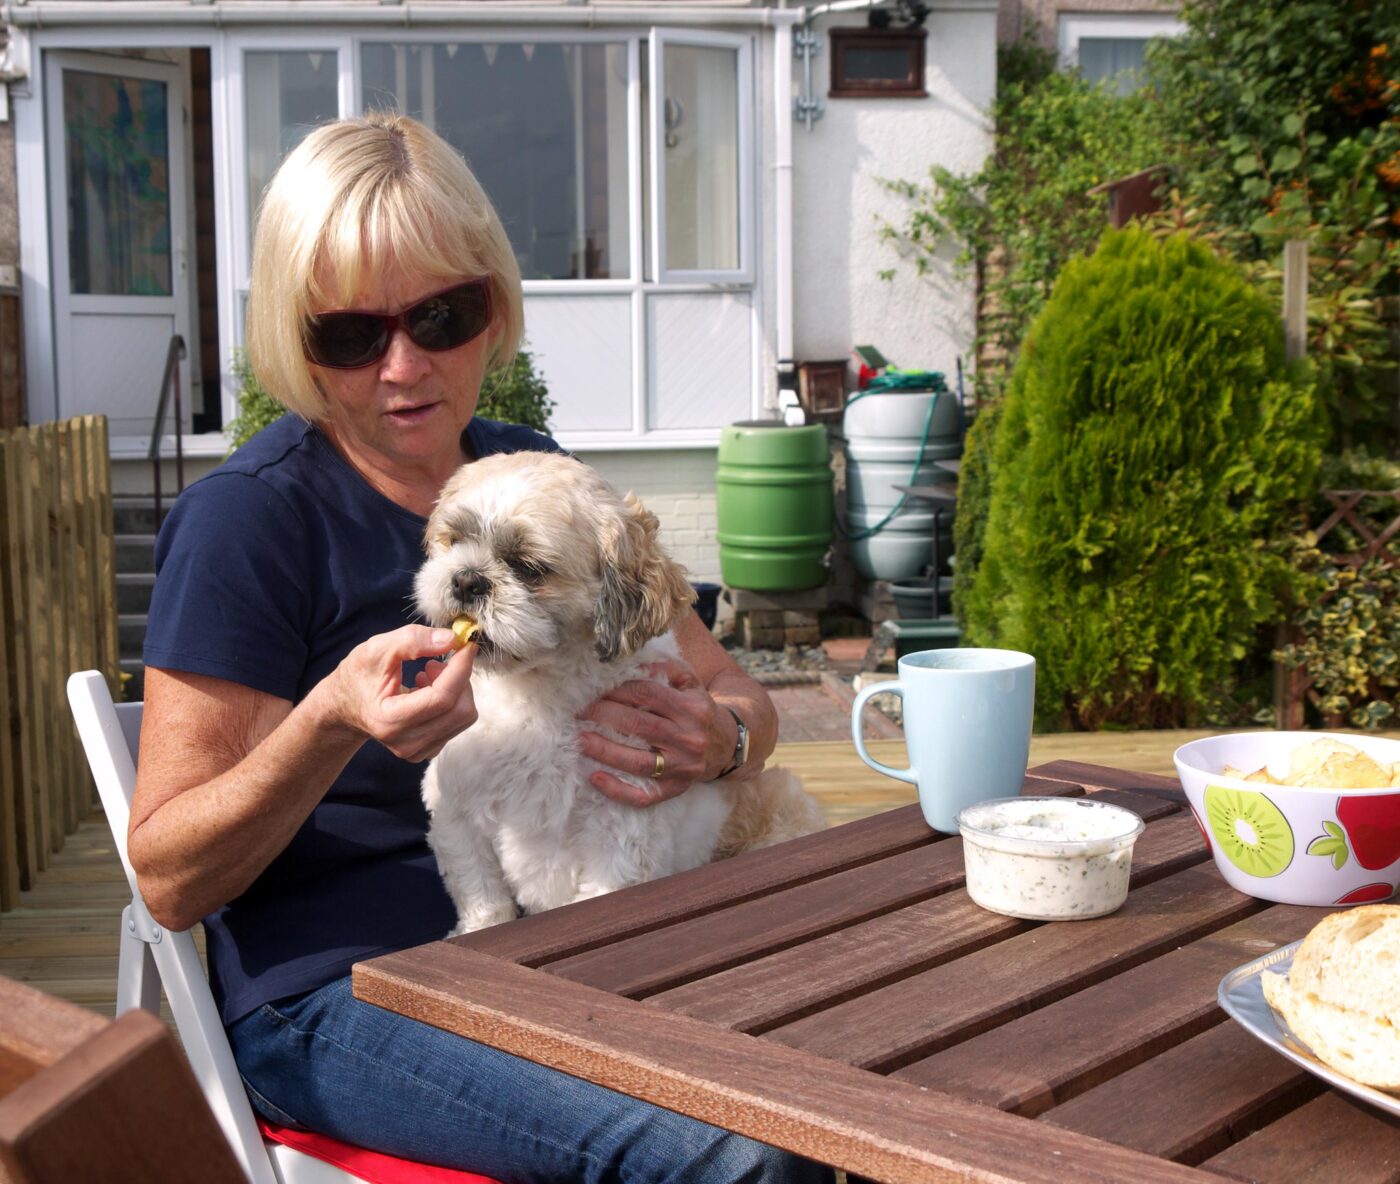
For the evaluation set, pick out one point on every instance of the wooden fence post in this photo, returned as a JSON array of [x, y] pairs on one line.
[[1289, 686], [1295, 299], [57, 615]]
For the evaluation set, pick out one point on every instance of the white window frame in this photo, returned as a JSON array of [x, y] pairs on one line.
[[1072, 27], [234, 104], [743, 275], [226, 48], [521, 34]]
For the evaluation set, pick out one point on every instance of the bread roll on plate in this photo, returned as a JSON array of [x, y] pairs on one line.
[[1341, 996]]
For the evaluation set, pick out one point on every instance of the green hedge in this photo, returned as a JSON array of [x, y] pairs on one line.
[[1150, 445], [516, 394]]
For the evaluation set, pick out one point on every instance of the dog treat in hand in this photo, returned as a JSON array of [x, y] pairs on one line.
[[463, 630]]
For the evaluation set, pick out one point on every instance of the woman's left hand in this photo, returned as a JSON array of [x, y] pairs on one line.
[[684, 733]]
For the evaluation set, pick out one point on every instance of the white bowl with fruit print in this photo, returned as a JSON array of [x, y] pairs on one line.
[[1298, 817]]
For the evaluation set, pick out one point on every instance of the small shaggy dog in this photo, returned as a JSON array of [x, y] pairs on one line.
[[573, 595]]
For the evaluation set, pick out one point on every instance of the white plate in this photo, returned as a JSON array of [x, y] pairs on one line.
[[1242, 996]]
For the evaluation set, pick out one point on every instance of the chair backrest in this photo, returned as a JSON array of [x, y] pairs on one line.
[[151, 956], [85, 1098]]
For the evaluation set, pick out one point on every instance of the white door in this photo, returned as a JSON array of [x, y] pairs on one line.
[[117, 176]]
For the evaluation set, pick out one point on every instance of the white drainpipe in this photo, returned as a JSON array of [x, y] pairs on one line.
[[782, 193]]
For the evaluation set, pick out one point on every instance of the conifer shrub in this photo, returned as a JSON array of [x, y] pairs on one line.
[[1150, 446], [974, 492]]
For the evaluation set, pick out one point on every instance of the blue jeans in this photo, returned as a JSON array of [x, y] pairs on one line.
[[329, 1063]]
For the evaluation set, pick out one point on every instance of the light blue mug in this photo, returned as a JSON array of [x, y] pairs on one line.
[[967, 726]]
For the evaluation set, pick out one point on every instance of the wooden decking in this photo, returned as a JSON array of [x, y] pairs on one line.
[[63, 936]]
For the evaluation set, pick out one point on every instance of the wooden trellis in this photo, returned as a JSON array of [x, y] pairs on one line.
[[1293, 687]]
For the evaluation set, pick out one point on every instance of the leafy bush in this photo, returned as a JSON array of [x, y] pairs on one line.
[[1303, 98], [974, 496], [1346, 624], [516, 394], [1151, 442], [256, 408], [1027, 211]]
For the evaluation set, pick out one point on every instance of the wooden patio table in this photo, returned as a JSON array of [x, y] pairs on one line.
[[841, 996]]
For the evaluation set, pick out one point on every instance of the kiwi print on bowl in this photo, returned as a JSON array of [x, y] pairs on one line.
[[1279, 841], [1250, 831]]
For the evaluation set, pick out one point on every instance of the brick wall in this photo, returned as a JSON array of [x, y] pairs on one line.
[[679, 488]]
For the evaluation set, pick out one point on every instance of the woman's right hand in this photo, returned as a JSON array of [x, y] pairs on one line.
[[228, 773], [366, 696]]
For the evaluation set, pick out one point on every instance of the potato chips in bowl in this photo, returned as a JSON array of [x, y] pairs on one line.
[[1307, 818]]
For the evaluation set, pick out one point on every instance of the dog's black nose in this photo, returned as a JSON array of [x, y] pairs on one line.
[[470, 585]]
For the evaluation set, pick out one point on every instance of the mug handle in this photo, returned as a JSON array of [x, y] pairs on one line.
[[878, 688]]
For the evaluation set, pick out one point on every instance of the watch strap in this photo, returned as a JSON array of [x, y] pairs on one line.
[[741, 745]]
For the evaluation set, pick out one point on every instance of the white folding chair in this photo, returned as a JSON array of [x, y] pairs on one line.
[[152, 956]]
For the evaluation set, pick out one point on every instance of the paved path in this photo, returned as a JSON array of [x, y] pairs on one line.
[[822, 711]]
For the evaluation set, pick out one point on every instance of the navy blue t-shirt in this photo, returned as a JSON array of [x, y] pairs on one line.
[[268, 572]]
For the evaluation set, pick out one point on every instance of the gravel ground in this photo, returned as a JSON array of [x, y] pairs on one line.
[[790, 665]]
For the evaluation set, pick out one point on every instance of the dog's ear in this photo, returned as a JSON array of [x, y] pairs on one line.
[[643, 589], [436, 529]]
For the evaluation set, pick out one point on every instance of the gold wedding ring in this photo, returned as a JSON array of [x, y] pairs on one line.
[[660, 765]]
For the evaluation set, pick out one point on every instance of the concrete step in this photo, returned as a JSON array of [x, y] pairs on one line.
[[134, 687], [136, 553], [131, 634], [134, 591], [136, 513]]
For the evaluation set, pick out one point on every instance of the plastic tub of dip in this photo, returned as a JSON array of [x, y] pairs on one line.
[[1048, 859]]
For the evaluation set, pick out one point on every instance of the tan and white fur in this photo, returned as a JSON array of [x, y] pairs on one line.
[[573, 595]]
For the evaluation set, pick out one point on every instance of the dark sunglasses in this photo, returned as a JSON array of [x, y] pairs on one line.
[[349, 340]]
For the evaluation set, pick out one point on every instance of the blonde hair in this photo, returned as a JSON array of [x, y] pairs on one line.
[[350, 197]]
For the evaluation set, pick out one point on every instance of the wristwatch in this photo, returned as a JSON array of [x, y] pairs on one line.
[[741, 745]]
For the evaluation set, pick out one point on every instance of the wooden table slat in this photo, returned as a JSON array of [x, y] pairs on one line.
[[927, 1012], [590, 923], [666, 957], [1206, 1093], [764, 992], [704, 945], [1334, 1139], [1047, 1056], [842, 997], [780, 1095], [1093, 777]]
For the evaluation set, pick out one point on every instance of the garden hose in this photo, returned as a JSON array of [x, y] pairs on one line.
[[868, 532]]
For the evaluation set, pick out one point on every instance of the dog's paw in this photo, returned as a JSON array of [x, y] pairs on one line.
[[484, 918]]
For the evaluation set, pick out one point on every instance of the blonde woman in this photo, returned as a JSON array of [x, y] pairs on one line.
[[277, 798]]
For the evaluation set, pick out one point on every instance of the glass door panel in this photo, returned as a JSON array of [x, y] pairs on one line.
[[700, 151], [117, 160]]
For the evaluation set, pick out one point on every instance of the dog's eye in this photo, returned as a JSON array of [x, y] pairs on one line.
[[528, 571]]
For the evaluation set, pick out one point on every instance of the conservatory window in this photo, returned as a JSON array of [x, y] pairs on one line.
[[1112, 47], [700, 150], [286, 93], [543, 126]]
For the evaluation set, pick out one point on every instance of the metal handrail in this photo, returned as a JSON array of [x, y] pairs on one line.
[[173, 357]]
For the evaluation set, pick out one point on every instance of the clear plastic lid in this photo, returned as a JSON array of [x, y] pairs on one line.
[[1049, 826]]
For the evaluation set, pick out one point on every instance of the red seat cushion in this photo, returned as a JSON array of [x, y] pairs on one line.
[[372, 1166]]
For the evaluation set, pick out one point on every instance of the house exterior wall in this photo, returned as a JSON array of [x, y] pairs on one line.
[[677, 485], [839, 202], [839, 298], [1015, 17]]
